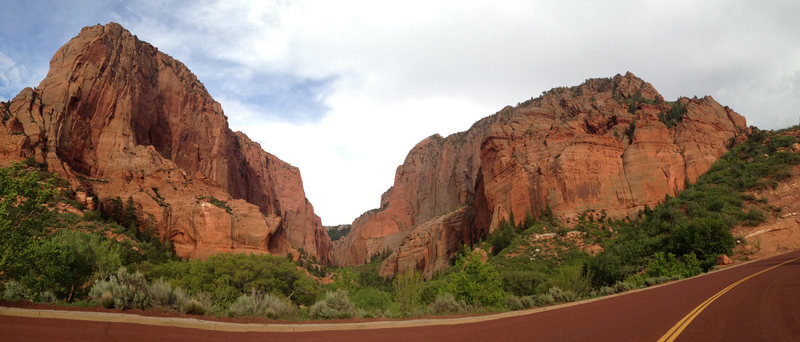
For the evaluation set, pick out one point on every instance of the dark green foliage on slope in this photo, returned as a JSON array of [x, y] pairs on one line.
[[54, 255], [698, 221], [227, 276], [674, 115], [338, 232]]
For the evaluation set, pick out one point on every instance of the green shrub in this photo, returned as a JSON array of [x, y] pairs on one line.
[[623, 286], [371, 299], [503, 237], [607, 290], [570, 278], [431, 289], [560, 295], [674, 115], [338, 232], [194, 307], [227, 276], [521, 282], [47, 297], [668, 265], [543, 299], [14, 291], [528, 301], [705, 237], [129, 290], [64, 263], [476, 282], [656, 280], [106, 300], [166, 297], [445, 303], [264, 305], [514, 303], [335, 305], [374, 313], [406, 290]]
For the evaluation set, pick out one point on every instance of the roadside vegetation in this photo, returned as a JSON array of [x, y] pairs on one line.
[[109, 258]]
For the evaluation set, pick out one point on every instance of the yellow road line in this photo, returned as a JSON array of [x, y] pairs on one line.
[[678, 328]]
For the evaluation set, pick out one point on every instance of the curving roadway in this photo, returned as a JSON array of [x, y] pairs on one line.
[[757, 301]]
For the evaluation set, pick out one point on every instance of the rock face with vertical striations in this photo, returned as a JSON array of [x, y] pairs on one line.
[[609, 144], [117, 117]]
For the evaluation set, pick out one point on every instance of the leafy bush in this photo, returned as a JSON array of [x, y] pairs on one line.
[[503, 237], [445, 303], [338, 232], [514, 303], [560, 295], [476, 282], [264, 305], [14, 291], [371, 299], [543, 299], [335, 305], [431, 289], [406, 289], [23, 195], [106, 300], [194, 307], [166, 297], [607, 290], [129, 290], [528, 301], [623, 286], [211, 199], [705, 237], [64, 264], [227, 276], [521, 282], [656, 280], [569, 278], [667, 265], [674, 115]]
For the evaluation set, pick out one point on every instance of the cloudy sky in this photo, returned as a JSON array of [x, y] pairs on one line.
[[344, 89]]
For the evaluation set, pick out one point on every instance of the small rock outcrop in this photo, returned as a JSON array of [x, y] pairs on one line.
[[609, 144], [117, 117]]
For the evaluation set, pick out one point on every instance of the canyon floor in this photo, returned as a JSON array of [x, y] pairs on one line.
[[750, 301]]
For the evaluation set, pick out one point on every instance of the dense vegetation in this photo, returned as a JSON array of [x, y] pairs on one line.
[[109, 258], [338, 232]]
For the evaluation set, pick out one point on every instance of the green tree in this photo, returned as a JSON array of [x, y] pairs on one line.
[[129, 215], [705, 237], [344, 279], [117, 210], [23, 193], [476, 282], [64, 263], [407, 289]]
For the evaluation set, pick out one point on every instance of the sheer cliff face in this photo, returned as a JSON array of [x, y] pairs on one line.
[[572, 150], [119, 118]]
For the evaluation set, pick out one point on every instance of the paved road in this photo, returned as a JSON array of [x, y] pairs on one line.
[[764, 307]]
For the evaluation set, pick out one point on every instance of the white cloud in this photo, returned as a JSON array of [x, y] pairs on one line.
[[400, 71], [10, 77]]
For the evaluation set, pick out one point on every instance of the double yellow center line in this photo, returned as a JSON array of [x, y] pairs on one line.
[[676, 330]]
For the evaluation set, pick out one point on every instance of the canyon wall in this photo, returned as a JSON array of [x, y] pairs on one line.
[[117, 117], [609, 144]]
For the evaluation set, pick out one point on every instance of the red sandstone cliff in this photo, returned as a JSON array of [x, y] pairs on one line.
[[117, 117], [600, 145]]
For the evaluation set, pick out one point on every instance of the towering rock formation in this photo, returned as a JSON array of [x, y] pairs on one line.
[[610, 144], [117, 117]]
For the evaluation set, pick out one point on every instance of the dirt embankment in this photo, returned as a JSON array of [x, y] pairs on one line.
[[781, 231]]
